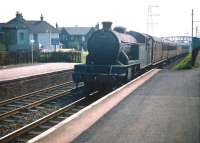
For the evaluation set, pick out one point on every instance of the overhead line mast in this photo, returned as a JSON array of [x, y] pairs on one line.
[[150, 19]]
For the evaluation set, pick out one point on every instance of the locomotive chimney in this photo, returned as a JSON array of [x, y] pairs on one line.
[[107, 25]]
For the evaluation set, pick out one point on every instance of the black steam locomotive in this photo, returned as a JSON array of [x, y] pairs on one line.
[[115, 56]]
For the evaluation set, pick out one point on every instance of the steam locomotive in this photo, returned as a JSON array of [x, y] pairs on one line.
[[116, 56]]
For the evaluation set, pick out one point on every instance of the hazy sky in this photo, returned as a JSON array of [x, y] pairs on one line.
[[174, 15]]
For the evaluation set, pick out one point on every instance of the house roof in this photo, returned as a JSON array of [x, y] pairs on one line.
[[17, 22], [35, 26], [60, 29], [40, 27], [77, 30]]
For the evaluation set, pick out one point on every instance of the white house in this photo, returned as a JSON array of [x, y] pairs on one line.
[[43, 34]]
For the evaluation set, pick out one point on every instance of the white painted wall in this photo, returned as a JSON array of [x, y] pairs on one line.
[[44, 39]]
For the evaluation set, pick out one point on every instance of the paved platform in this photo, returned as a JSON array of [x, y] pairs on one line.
[[33, 70], [164, 110]]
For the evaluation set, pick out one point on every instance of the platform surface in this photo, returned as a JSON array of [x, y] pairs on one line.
[[164, 110], [33, 70]]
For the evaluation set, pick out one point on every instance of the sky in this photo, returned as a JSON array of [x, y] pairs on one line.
[[173, 16]]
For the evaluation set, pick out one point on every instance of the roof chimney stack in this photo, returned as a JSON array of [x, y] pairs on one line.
[[97, 26], [41, 17], [18, 14], [107, 25]]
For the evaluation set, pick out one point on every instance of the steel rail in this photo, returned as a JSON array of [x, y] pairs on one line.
[[18, 132], [32, 93], [34, 104]]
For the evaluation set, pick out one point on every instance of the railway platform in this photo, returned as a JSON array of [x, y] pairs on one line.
[[33, 70], [20, 80], [165, 109]]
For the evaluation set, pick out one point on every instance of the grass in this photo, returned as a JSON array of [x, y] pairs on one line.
[[185, 63], [197, 64]]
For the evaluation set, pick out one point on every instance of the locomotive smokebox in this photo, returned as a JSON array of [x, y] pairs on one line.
[[107, 25]]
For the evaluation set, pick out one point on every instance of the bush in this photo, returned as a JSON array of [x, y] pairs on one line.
[[2, 47], [72, 56], [3, 58], [186, 63]]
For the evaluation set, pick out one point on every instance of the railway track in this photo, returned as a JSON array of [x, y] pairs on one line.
[[36, 124], [35, 128], [13, 105], [19, 117]]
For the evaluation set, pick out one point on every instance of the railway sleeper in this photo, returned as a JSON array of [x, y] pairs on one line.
[[5, 109], [33, 110], [75, 110], [61, 117], [14, 105], [25, 113], [44, 127], [34, 132], [40, 107], [23, 140], [54, 121], [9, 120], [19, 116], [67, 114], [18, 102]]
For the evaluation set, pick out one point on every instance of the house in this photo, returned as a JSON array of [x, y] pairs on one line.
[[21, 34], [1, 32], [2, 46], [75, 37]]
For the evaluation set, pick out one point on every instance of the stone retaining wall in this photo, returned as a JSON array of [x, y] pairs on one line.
[[25, 85]]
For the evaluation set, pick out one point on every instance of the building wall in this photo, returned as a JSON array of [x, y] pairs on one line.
[[14, 42], [10, 39], [22, 37], [45, 41], [75, 41]]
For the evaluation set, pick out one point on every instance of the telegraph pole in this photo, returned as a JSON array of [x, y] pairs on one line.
[[193, 55], [194, 49], [196, 31], [192, 21]]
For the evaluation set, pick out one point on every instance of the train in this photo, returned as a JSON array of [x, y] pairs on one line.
[[116, 56]]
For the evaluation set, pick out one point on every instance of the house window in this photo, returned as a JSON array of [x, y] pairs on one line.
[[72, 38], [35, 37], [21, 36]]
